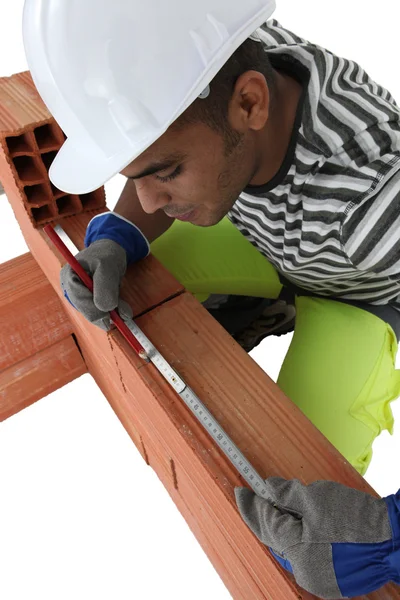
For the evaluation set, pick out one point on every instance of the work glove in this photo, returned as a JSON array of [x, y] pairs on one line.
[[111, 243], [336, 541]]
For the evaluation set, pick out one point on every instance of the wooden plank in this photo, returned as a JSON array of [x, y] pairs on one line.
[[275, 436], [31, 314], [33, 378]]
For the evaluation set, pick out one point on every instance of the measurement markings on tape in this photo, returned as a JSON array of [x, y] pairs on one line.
[[156, 358], [203, 415], [192, 401]]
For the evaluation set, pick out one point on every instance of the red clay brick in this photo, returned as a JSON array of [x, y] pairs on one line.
[[30, 139], [275, 436], [33, 378], [31, 314]]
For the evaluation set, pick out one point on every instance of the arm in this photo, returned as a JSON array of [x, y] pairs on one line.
[[112, 241], [370, 229], [128, 206], [338, 542]]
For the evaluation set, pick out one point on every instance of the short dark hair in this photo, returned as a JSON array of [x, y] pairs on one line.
[[213, 111]]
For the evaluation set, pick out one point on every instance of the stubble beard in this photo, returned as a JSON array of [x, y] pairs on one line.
[[234, 178]]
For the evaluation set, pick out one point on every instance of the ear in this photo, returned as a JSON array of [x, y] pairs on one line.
[[249, 106]]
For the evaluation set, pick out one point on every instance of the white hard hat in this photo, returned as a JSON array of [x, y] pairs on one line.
[[116, 73]]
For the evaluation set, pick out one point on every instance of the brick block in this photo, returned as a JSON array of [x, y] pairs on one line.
[[31, 314], [270, 430], [30, 139], [37, 376]]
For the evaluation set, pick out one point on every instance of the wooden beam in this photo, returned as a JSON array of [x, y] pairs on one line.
[[24, 383], [271, 431]]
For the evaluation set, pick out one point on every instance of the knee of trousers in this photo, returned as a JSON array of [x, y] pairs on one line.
[[340, 371]]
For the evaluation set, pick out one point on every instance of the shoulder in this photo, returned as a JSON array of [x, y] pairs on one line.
[[273, 35], [369, 230]]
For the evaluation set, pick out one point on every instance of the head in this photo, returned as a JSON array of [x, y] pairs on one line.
[[206, 158]]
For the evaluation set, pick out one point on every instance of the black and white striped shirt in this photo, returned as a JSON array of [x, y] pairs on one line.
[[329, 221]]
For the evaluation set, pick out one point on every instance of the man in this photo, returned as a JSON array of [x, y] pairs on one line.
[[271, 180]]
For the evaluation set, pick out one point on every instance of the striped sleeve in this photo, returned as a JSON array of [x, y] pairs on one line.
[[371, 230], [274, 35]]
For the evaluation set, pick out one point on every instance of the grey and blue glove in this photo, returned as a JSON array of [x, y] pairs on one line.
[[111, 243], [336, 541]]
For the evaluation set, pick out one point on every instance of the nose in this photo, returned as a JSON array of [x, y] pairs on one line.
[[151, 199]]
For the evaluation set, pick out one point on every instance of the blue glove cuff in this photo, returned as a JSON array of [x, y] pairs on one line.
[[283, 561], [393, 506], [66, 295], [363, 568], [111, 226]]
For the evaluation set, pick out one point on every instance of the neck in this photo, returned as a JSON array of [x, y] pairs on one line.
[[273, 140]]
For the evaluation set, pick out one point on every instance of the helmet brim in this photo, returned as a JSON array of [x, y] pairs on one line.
[[81, 170]]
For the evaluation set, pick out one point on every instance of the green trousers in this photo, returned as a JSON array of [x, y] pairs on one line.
[[339, 369]]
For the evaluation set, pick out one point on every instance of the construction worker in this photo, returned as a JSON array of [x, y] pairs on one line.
[[263, 171]]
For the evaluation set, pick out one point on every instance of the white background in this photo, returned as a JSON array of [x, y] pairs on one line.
[[82, 516]]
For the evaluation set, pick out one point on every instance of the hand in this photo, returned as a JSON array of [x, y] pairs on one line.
[[338, 542], [106, 262], [111, 242]]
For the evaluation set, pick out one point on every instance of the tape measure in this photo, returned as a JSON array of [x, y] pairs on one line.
[[192, 401]]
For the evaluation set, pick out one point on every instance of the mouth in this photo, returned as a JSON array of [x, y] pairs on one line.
[[182, 217]]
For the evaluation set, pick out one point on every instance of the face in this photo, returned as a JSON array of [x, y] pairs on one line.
[[200, 180]]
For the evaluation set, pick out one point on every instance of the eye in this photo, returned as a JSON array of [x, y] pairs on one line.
[[170, 177]]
